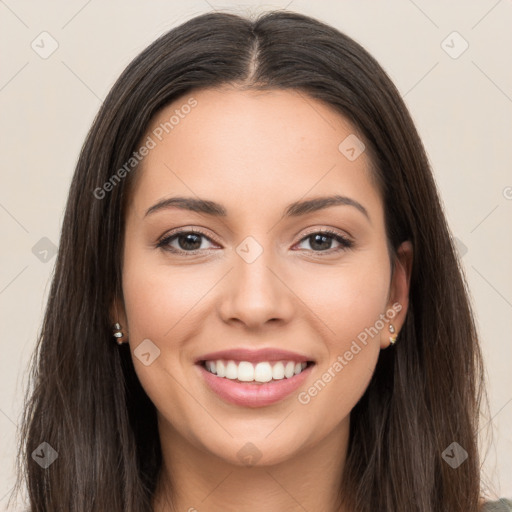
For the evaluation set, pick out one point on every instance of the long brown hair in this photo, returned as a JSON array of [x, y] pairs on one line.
[[86, 401]]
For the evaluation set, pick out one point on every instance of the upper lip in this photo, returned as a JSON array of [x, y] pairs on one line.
[[264, 354]]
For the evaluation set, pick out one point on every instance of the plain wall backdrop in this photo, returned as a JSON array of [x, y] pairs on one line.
[[450, 61]]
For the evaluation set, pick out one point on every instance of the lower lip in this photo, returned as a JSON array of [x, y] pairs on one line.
[[250, 394]]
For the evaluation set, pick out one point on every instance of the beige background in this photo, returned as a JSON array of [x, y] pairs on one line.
[[462, 107]]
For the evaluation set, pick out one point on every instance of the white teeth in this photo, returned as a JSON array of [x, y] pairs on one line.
[[278, 371], [260, 372], [221, 369], [263, 372], [245, 372], [231, 370], [289, 369]]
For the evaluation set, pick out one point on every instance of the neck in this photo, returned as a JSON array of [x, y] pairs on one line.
[[195, 480]]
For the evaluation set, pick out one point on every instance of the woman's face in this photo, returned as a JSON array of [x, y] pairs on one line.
[[257, 277]]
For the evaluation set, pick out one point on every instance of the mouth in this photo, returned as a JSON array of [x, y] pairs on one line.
[[254, 378]]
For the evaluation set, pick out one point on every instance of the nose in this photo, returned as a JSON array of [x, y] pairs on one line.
[[255, 293]]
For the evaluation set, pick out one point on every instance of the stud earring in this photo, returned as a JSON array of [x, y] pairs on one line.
[[118, 334], [392, 339]]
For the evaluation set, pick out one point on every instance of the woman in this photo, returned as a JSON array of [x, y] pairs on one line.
[[254, 214]]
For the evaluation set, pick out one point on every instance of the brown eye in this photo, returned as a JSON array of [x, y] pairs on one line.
[[321, 241], [186, 241]]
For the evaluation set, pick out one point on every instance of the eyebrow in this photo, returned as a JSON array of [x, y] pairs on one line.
[[295, 209]]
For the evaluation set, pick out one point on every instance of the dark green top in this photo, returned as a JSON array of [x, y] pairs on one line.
[[502, 505]]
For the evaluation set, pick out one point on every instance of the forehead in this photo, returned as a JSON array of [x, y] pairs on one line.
[[252, 149]]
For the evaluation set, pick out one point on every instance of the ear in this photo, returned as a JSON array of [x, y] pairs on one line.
[[398, 300]]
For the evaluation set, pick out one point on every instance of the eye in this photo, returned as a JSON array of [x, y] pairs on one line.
[[320, 241], [188, 241]]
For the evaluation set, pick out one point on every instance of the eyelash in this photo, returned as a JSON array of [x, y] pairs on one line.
[[343, 241]]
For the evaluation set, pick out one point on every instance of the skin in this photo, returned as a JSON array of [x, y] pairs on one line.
[[255, 153]]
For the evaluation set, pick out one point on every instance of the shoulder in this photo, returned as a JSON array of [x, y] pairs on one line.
[[502, 505]]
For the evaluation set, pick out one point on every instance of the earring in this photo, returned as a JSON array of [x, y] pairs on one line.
[[118, 335], [392, 339]]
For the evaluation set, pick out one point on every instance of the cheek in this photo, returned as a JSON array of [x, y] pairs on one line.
[[351, 301], [159, 303], [160, 299], [348, 298]]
